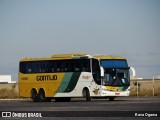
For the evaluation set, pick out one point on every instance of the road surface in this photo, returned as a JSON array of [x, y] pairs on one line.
[[122, 107]]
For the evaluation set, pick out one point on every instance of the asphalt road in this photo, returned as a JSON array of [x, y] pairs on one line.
[[122, 107]]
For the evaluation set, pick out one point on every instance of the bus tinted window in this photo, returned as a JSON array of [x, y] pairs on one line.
[[55, 66]]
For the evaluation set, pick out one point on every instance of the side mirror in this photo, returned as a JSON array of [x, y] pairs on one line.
[[102, 72]]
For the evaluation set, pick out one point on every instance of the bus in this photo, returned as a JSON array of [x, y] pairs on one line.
[[65, 76]]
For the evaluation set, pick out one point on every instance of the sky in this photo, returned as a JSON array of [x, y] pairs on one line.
[[41, 28]]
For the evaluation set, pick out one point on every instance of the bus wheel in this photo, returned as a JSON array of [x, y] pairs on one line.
[[63, 99], [48, 99], [111, 98], [68, 99], [34, 95], [42, 95], [86, 94]]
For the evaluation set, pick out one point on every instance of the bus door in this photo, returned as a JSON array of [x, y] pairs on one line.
[[96, 84]]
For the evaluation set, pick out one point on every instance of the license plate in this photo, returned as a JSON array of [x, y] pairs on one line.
[[117, 93]]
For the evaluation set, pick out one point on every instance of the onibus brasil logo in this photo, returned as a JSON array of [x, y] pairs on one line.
[[21, 114]]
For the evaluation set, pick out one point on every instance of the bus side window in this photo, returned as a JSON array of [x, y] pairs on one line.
[[58, 69], [43, 68], [85, 66], [29, 67], [52, 67], [71, 67], [66, 68], [77, 66], [22, 68], [62, 66], [48, 66], [36, 68]]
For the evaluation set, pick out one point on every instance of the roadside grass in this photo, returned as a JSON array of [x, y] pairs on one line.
[[9, 92], [145, 88]]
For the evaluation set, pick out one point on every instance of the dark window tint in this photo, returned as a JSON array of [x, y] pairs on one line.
[[55, 66]]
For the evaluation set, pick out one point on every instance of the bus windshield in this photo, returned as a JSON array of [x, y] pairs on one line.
[[116, 73]]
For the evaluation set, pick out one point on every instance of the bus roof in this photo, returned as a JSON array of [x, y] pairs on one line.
[[69, 55], [108, 57], [73, 56]]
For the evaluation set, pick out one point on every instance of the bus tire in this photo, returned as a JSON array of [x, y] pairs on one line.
[[42, 97], [48, 99], [111, 98], [86, 94], [68, 99], [34, 95], [63, 99], [57, 99]]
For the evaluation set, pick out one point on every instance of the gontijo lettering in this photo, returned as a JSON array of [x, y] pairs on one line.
[[46, 77]]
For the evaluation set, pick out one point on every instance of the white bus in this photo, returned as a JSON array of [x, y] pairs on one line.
[[65, 76]]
